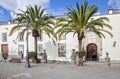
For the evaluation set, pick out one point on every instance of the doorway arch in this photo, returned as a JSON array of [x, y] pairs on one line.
[[92, 52]]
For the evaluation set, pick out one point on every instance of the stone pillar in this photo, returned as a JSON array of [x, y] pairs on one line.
[[107, 59], [73, 57], [44, 57]]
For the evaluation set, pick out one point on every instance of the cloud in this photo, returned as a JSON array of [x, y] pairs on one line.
[[2, 16], [14, 5], [57, 12], [98, 13], [1, 12], [8, 4], [114, 3]]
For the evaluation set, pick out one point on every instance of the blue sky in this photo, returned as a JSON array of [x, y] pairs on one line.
[[8, 8]]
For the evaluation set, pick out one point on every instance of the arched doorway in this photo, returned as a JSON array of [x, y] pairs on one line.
[[92, 52]]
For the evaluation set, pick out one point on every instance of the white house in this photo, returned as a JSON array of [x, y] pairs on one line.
[[96, 47]]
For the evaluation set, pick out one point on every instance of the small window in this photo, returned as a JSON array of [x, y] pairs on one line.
[[92, 34], [20, 49], [63, 37], [40, 48], [61, 49], [4, 37], [21, 38], [40, 38]]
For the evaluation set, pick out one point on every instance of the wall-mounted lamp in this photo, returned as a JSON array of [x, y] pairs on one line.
[[114, 43]]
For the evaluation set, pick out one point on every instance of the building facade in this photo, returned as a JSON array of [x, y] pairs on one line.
[[62, 50]]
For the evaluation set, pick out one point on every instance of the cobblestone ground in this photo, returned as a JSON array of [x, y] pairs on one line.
[[90, 70]]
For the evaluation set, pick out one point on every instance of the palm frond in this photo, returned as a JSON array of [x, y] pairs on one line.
[[14, 29]]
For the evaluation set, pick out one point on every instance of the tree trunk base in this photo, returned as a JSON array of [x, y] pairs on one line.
[[36, 61], [79, 62]]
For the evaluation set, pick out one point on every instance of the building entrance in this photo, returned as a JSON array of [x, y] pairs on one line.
[[4, 48], [92, 52]]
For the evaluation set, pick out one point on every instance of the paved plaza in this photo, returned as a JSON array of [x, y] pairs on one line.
[[90, 70]]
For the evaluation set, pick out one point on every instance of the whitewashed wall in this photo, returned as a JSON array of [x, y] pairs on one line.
[[12, 47], [52, 49], [12, 41], [107, 43], [104, 45]]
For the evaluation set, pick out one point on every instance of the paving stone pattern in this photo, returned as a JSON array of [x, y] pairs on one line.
[[90, 70]]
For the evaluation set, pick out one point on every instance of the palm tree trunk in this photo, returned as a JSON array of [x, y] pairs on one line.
[[80, 61], [35, 47], [80, 44], [80, 41], [80, 48]]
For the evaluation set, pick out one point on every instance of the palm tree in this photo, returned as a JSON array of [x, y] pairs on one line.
[[79, 21], [38, 23]]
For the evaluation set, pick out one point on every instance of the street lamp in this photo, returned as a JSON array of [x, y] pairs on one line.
[[17, 20], [27, 64]]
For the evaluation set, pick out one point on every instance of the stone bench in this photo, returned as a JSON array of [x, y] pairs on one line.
[[15, 60]]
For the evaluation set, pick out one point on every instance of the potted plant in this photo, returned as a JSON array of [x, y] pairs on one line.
[[80, 55], [32, 55]]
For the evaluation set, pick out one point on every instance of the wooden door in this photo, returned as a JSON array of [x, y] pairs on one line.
[[91, 52], [4, 48]]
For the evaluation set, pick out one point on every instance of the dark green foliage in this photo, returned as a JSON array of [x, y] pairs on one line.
[[32, 54], [81, 53]]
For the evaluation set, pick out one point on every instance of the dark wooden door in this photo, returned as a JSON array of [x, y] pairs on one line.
[[91, 52], [4, 48]]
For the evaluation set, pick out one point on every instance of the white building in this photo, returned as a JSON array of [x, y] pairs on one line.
[[95, 47]]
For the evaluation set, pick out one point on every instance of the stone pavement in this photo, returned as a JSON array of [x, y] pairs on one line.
[[90, 70]]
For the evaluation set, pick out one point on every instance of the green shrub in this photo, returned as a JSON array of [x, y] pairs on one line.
[[32, 54], [81, 53]]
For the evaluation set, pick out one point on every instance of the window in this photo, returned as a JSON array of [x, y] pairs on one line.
[[61, 49], [92, 34], [21, 38], [20, 49], [4, 37], [40, 38], [40, 48], [63, 37]]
